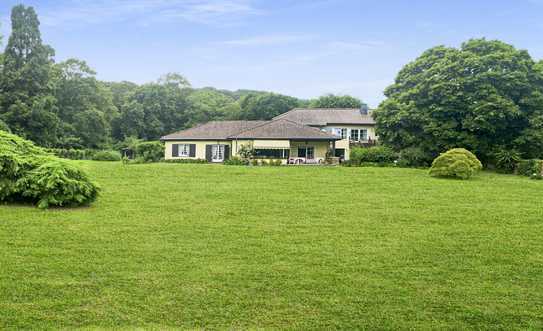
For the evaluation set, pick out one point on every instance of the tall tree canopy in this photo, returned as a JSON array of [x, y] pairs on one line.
[[265, 106], [28, 106], [336, 101], [485, 96], [85, 105]]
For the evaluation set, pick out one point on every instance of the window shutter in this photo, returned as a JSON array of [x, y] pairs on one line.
[[226, 152], [208, 153], [175, 150], [192, 150]]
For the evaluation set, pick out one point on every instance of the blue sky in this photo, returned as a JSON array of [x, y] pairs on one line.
[[302, 48]]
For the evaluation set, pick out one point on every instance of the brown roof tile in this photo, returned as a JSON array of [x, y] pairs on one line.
[[325, 116], [284, 129], [215, 130]]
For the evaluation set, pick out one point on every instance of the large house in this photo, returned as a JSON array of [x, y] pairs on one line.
[[297, 136]]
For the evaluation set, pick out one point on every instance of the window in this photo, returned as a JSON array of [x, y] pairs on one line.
[[217, 153], [354, 135], [343, 133], [306, 152], [183, 150], [310, 153], [272, 153], [363, 135]]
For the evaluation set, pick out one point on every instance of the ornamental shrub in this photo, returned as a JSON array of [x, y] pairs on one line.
[[30, 174], [150, 151], [375, 154], [457, 162], [197, 161], [107, 156], [506, 160], [236, 161], [414, 157], [530, 168], [57, 183]]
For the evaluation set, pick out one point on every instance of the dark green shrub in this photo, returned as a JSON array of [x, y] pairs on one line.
[[254, 162], [4, 126], [530, 168], [107, 156], [30, 174], [506, 160], [414, 157], [375, 154], [236, 161], [73, 154], [458, 162], [150, 151], [196, 161], [57, 183]]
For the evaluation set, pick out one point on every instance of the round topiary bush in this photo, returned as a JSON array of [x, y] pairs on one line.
[[457, 163], [29, 174]]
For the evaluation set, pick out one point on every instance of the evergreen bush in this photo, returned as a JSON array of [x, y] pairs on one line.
[[30, 174], [107, 156], [457, 162]]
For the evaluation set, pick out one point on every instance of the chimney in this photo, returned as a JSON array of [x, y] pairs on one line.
[[364, 109]]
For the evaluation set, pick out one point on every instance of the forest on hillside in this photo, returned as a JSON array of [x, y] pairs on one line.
[[63, 104]]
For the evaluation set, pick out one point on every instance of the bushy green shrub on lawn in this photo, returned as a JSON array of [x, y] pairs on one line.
[[375, 154], [30, 174], [506, 160], [530, 168], [73, 154], [236, 161], [197, 161], [107, 156], [414, 157], [150, 151], [457, 162]]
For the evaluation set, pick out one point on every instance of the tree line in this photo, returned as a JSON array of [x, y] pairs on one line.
[[65, 105]]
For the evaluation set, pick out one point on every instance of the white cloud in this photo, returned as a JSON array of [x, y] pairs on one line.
[[216, 12]]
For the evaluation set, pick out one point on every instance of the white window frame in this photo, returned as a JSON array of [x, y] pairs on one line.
[[344, 133], [183, 150], [357, 138], [217, 153], [363, 137]]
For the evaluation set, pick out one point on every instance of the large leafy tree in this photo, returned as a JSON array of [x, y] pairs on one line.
[[85, 105], [209, 104], [336, 101], [27, 103], [265, 106], [155, 109], [485, 96]]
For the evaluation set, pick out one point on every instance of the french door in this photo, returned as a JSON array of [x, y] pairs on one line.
[[217, 153]]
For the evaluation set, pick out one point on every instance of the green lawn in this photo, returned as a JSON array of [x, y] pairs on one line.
[[192, 246]]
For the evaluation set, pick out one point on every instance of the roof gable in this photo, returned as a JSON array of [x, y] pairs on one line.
[[214, 130], [325, 116], [284, 129]]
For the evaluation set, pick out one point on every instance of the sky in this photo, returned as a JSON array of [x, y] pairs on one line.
[[302, 48]]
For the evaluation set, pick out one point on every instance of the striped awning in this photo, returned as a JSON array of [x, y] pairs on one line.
[[271, 144]]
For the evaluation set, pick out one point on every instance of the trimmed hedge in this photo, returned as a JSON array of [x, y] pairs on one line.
[[30, 174], [150, 151], [107, 156], [457, 162], [375, 154]]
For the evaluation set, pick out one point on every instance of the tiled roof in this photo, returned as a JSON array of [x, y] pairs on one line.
[[215, 130], [325, 116], [284, 129]]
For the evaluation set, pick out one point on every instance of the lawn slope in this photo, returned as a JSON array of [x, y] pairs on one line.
[[188, 246]]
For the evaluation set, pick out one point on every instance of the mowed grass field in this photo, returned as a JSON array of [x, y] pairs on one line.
[[217, 247]]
